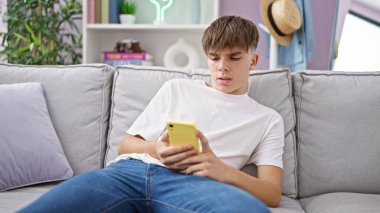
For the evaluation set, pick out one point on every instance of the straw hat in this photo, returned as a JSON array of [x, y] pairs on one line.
[[282, 18]]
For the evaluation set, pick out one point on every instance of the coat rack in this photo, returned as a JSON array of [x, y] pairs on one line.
[[273, 48]]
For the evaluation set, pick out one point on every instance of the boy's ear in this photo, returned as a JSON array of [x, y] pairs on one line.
[[254, 60]]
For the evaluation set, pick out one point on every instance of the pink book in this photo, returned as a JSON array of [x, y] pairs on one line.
[[126, 56], [91, 11]]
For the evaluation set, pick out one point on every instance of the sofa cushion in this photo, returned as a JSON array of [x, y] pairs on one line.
[[14, 200], [134, 86], [342, 202], [30, 151], [338, 120], [288, 205], [78, 98]]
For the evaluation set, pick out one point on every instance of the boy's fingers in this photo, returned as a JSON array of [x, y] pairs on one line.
[[171, 150], [165, 137], [174, 160], [204, 142]]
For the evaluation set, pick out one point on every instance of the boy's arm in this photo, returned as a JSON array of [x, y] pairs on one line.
[[136, 144], [266, 187], [161, 150]]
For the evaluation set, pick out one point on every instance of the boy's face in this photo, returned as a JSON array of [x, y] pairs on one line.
[[230, 69]]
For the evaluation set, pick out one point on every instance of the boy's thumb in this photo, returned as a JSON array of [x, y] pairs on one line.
[[204, 142]]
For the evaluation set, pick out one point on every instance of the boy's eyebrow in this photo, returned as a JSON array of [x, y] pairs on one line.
[[235, 53], [213, 54], [231, 54]]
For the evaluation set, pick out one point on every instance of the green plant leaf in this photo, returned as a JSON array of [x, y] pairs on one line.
[[23, 38], [25, 49], [128, 7], [36, 41], [35, 34], [31, 46]]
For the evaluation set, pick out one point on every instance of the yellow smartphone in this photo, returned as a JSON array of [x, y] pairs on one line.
[[182, 133]]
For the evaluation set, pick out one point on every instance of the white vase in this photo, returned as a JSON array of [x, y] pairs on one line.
[[181, 48], [127, 19]]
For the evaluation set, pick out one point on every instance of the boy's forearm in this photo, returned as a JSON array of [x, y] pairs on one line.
[[263, 190], [132, 144]]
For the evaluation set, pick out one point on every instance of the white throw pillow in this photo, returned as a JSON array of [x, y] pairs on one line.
[[30, 150]]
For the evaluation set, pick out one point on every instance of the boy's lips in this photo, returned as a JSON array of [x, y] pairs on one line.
[[224, 80]]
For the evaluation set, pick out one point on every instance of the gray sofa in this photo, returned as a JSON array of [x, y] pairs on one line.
[[332, 127]]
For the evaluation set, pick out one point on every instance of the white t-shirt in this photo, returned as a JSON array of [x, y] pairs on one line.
[[240, 131]]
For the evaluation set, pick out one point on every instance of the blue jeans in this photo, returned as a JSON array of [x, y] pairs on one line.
[[133, 186]]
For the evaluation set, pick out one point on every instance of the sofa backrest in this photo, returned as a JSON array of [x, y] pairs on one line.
[[78, 99], [338, 131], [134, 87]]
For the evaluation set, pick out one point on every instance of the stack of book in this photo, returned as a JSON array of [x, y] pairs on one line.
[[103, 11], [123, 58]]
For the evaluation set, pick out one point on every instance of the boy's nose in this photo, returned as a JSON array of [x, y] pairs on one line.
[[223, 66]]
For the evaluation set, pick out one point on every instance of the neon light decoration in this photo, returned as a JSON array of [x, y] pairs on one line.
[[160, 10]]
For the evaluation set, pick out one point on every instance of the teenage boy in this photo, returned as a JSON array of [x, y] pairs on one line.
[[234, 130]]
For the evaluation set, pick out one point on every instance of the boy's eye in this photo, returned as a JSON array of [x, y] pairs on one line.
[[235, 58], [214, 58]]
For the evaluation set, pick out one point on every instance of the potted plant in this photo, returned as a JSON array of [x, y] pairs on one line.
[[128, 11], [43, 32]]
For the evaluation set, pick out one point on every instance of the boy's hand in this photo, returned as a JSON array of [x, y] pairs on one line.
[[172, 155], [206, 164]]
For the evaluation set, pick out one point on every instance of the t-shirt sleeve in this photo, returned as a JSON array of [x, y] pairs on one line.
[[151, 122], [271, 148]]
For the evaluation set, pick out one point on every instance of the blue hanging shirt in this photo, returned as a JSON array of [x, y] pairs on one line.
[[301, 49]]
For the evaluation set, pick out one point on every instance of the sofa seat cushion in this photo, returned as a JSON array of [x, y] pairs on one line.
[[338, 120], [13, 200], [342, 202], [288, 205], [78, 99], [134, 87]]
